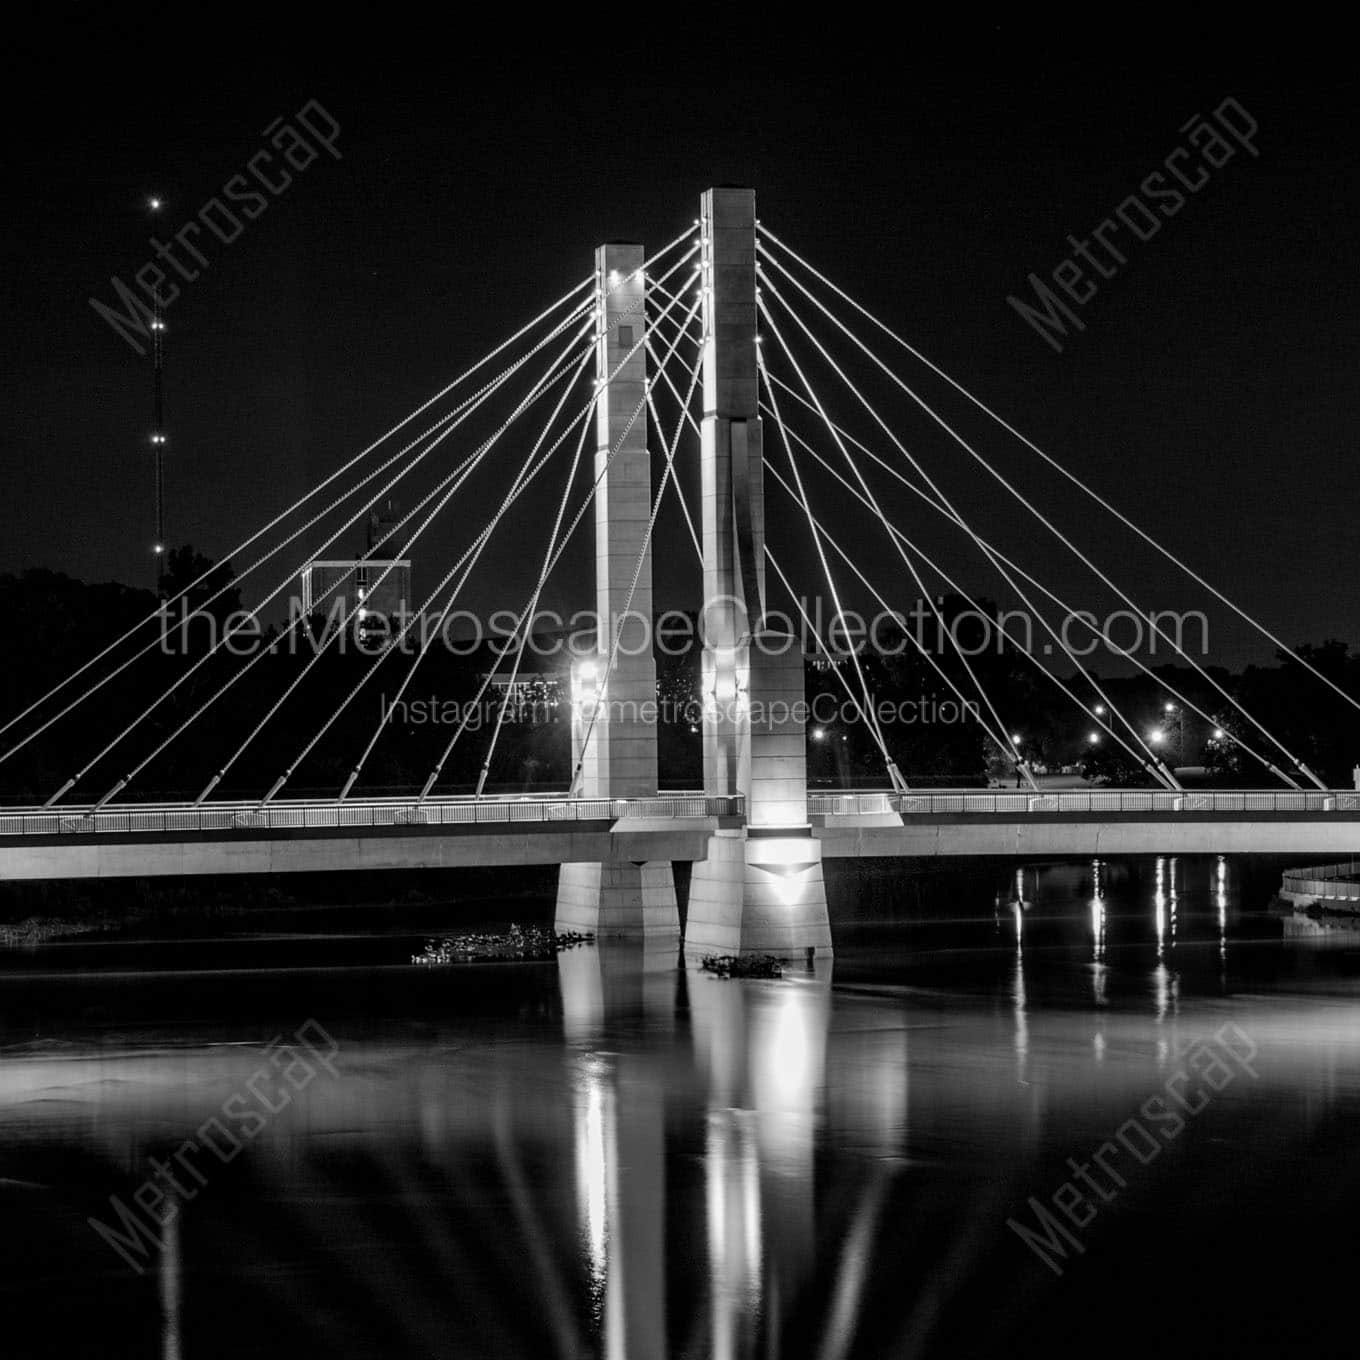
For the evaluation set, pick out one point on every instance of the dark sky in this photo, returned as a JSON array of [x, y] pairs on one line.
[[1213, 395]]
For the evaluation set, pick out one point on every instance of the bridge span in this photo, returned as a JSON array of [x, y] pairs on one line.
[[699, 325], [160, 840]]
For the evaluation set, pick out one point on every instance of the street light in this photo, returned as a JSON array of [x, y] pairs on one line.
[[1156, 736], [1099, 710], [1168, 707], [1093, 738]]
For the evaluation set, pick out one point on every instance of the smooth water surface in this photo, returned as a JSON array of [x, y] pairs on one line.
[[609, 1155]]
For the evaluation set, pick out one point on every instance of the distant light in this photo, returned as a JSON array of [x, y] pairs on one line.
[[1093, 738], [1015, 738], [1168, 707], [1156, 736], [158, 549], [818, 733], [1218, 734], [154, 204], [1100, 710]]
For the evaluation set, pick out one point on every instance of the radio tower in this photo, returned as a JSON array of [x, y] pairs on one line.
[[158, 423]]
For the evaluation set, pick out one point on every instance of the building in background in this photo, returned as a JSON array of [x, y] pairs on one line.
[[371, 585], [376, 584]]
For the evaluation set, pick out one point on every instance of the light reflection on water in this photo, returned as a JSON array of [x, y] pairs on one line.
[[619, 1158]]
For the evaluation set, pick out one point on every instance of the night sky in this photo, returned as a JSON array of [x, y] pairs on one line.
[[1213, 395]]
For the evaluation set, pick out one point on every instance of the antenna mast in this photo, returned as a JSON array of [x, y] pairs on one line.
[[158, 424]]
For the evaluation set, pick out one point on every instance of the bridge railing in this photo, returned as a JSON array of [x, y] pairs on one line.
[[1086, 802], [169, 818], [1339, 882], [160, 819]]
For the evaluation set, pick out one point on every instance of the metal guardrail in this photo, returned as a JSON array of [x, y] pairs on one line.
[[1329, 889], [169, 818], [959, 802], [1338, 882], [153, 818]]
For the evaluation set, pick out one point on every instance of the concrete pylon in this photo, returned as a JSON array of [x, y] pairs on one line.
[[619, 760], [760, 889]]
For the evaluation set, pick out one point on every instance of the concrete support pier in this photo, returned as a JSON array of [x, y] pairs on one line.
[[634, 901], [760, 890], [619, 761]]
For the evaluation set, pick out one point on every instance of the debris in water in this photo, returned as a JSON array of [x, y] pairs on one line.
[[730, 965], [532, 942]]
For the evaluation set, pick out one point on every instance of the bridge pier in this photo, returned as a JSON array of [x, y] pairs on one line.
[[760, 890], [610, 898], [635, 901]]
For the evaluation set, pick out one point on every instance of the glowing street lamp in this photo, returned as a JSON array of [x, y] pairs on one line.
[[1093, 738], [585, 694], [1156, 736]]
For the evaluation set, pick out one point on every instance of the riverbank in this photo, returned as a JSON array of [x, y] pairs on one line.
[[35, 913]]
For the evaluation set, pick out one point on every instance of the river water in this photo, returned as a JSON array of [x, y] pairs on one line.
[[1069, 1109]]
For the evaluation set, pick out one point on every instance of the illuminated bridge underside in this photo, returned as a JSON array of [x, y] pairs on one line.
[[642, 839]]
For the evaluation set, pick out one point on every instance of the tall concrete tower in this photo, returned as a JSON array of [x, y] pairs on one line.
[[620, 761], [614, 705], [760, 890]]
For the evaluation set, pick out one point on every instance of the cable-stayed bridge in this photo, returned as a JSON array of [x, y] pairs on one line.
[[725, 354]]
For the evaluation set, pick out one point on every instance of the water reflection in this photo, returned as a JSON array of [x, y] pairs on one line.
[[1159, 906], [1018, 999], [1097, 911], [171, 1269], [763, 1050], [1221, 906], [760, 1056], [610, 1156], [619, 1136]]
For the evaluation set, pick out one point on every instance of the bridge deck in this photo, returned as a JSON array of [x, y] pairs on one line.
[[179, 839]]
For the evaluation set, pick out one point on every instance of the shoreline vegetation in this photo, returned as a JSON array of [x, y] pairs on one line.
[[43, 912]]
